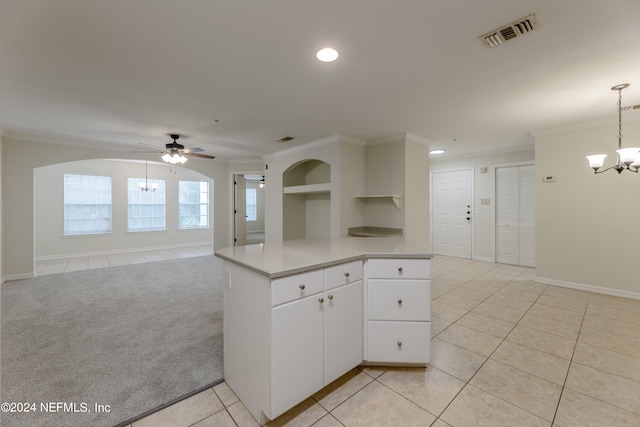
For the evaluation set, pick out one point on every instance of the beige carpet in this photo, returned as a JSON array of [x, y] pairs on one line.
[[130, 338]]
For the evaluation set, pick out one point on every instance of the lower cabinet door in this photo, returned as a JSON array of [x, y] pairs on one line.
[[296, 352], [399, 342], [343, 330]]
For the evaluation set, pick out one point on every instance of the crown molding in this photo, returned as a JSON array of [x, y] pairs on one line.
[[315, 144], [406, 136], [632, 117]]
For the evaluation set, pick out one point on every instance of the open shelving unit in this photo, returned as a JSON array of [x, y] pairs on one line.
[[395, 198]]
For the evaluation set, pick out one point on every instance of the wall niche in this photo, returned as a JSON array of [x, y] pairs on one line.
[[306, 200]]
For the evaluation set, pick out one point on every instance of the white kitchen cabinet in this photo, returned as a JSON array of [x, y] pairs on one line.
[[297, 347], [398, 311], [310, 334], [318, 338], [342, 330], [300, 314]]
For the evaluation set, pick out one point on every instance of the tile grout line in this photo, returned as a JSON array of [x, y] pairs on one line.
[[564, 384], [467, 383]]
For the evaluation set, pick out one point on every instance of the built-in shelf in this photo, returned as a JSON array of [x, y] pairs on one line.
[[308, 189], [395, 198]]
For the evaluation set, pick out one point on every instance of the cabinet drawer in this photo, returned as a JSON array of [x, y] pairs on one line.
[[290, 288], [399, 300], [399, 342], [343, 274], [398, 268]]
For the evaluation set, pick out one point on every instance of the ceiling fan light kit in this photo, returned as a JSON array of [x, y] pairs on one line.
[[174, 158], [628, 158]]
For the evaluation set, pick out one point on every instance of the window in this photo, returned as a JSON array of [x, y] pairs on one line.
[[193, 204], [146, 208], [252, 208], [87, 204]]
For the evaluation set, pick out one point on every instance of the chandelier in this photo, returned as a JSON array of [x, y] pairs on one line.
[[144, 186], [628, 158]]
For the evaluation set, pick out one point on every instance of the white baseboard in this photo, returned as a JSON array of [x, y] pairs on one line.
[[121, 251], [482, 258], [18, 277], [589, 288]]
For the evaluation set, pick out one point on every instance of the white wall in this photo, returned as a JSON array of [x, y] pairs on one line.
[[50, 241], [20, 158], [385, 175], [483, 189], [587, 225]]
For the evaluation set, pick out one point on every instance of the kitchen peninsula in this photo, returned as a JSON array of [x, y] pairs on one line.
[[299, 314]]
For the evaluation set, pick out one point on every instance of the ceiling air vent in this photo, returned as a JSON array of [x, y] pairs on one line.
[[510, 31]]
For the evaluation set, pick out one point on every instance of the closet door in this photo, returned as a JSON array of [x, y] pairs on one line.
[[526, 217], [515, 215]]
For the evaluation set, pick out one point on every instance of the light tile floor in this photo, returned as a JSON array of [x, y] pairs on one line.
[[505, 351], [66, 265]]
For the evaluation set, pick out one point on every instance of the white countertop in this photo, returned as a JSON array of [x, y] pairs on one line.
[[296, 256]]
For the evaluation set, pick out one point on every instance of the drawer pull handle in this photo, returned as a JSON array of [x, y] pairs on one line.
[[399, 302], [400, 270], [320, 300], [330, 297], [346, 274], [302, 287], [399, 344]]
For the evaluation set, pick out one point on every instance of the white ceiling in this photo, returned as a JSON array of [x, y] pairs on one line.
[[236, 75]]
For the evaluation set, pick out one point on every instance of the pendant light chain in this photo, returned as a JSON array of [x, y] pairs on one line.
[[619, 118]]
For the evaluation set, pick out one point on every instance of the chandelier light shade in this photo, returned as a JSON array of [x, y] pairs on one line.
[[628, 158]]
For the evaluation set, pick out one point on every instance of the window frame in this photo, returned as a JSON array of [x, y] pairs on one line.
[[89, 189], [204, 211], [146, 200]]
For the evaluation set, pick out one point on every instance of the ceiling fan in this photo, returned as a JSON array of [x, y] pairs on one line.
[[175, 153]]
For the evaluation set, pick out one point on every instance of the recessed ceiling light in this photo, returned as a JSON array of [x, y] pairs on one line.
[[437, 151], [327, 54]]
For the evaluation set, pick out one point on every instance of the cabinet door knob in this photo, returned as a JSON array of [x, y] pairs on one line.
[[399, 302], [400, 270], [346, 274], [302, 287], [330, 297], [320, 300], [399, 344]]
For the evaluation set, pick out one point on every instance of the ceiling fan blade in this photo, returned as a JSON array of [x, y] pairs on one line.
[[149, 145], [193, 150], [204, 156]]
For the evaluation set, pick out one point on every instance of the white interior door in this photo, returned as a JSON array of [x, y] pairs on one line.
[[240, 211], [452, 208], [515, 215]]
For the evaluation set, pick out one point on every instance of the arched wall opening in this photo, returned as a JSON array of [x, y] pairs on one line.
[[19, 160]]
